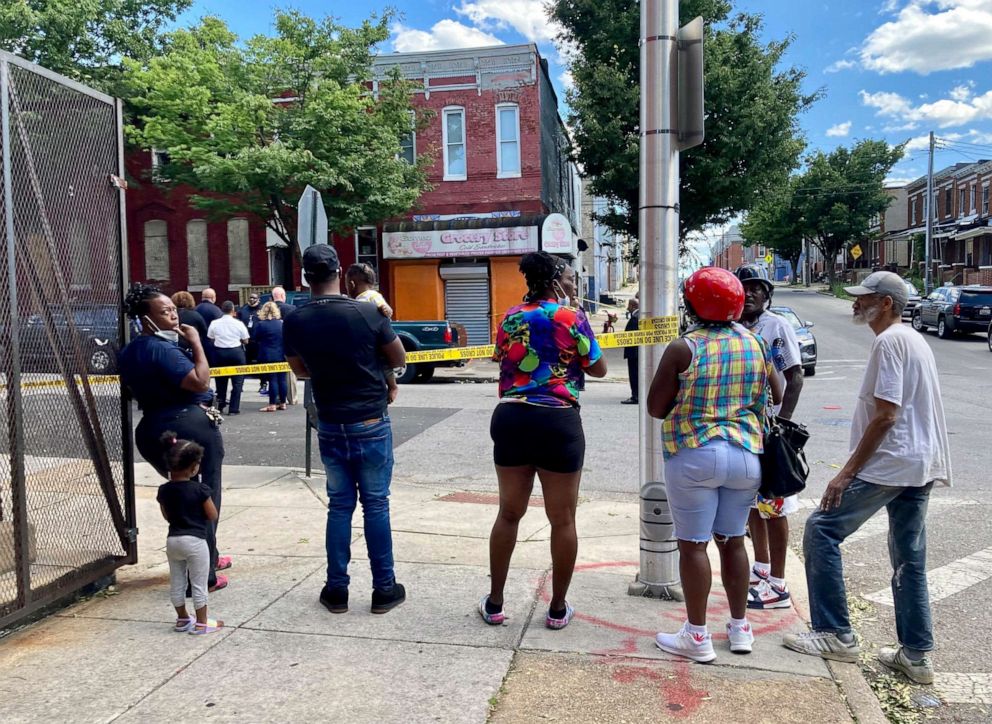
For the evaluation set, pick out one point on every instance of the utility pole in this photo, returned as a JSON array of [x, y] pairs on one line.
[[928, 207]]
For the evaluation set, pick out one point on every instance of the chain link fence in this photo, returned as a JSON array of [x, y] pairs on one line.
[[66, 480]]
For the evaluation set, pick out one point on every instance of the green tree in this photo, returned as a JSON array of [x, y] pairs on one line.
[[777, 223], [250, 125], [752, 137], [85, 39], [831, 203]]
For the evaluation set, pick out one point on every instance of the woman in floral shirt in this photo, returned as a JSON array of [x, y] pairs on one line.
[[543, 347]]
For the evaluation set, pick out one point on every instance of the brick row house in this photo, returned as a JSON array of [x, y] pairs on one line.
[[502, 185]]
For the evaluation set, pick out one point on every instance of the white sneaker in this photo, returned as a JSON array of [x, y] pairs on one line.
[[920, 672], [766, 595], [741, 639], [698, 647], [757, 577], [824, 644]]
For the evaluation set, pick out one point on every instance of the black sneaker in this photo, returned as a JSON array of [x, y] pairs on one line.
[[385, 601], [334, 600]]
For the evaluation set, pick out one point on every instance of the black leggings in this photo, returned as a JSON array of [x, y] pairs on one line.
[[189, 423], [549, 438]]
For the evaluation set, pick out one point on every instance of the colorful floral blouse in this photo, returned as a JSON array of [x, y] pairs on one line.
[[542, 349]]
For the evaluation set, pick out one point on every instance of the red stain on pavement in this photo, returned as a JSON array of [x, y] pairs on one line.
[[681, 698], [482, 498]]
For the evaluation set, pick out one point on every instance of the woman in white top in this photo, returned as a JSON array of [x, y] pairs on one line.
[[229, 335]]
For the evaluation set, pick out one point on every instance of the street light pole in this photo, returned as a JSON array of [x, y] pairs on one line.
[[658, 218], [928, 208]]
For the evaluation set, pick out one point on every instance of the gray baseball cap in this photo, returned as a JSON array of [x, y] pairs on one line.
[[882, 282]]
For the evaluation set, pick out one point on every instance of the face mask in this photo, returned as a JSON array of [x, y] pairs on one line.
[[563, 299], [169, 335]]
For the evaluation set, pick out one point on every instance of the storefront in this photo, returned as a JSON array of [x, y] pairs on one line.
[[465, 270]]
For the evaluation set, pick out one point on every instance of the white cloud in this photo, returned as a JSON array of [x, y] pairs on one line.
[[911, 126], [566, 80], [962, 92], [527, 17], [945, 113], [841, 65], [841, 130], [445, 34], [930, 35], [973, 135], [920, 143]]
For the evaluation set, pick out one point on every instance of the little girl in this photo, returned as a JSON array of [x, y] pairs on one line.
[[188, 507], [360, 281]]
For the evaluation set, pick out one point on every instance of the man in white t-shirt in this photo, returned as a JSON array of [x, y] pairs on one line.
[[768, 522], [229, 336], [898, 450]]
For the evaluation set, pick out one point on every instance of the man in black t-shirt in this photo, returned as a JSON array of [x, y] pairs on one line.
[[342, 346]]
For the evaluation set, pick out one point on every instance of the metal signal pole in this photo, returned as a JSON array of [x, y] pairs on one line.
[[929, 210]]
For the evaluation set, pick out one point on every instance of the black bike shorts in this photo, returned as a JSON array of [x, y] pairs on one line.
[[549, 438]]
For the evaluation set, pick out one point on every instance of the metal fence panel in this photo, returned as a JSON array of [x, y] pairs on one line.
[[66, 483]]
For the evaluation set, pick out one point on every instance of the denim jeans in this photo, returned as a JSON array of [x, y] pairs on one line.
[[277, 388], [826, 530], [358, 459]]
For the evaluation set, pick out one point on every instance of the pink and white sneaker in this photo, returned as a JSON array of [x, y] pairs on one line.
[[695, 646], [559, 623], [741, 638], [493, 619]]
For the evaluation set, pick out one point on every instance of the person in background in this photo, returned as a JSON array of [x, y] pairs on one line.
[[188, 315], [190, 511], [229, 336], [267, 335], [342, 346], [285, 309], [248, 314], [360, 284], [899, 449], [173, 393], [711, 391], [543, 347], [769, 522], [209, 310], [631, 353]]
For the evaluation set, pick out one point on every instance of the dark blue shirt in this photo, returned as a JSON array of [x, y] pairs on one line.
[[153, 369], [209, 311], [267, 334]]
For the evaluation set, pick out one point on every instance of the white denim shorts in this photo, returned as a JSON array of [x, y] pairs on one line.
[[711, 490]]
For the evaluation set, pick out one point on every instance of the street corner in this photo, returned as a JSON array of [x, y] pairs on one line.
[[609, 622], [578, 689]]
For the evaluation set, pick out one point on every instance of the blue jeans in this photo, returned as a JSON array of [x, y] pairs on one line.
[[277, 388], [358, 459], [825, 530]]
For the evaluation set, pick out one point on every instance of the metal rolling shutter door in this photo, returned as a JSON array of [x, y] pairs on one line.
[[467, 302]]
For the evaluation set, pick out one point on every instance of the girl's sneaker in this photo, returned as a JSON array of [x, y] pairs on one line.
[[184, 624], [493, 619], [741, 638], [559, 623], [695, 646], [204, 628]]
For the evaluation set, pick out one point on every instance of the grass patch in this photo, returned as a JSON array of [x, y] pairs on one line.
[[837, 289]]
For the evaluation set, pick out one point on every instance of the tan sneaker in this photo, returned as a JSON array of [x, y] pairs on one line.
[[920, 672], [824, 644]]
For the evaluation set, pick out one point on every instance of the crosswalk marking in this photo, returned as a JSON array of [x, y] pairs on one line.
[[964, 688], [950, 579]]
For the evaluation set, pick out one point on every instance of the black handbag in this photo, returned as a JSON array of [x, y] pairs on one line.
[[784, 469]]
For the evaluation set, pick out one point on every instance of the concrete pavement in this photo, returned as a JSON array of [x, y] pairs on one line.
[[282, 657]]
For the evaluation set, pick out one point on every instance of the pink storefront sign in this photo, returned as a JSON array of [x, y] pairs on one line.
[[503, 241]]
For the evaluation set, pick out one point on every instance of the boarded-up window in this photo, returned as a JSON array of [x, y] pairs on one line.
[[196, 253], [156, 250], [238, 253]]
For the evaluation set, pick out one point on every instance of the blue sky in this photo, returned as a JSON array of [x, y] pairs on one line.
[[890, 69]]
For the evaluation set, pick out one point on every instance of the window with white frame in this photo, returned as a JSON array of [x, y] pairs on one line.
[[156, 250], [453, 142], [985, 200], [507, 140], [408, 142], [197, 255], [960, 202], [238, 253], [912, 211], [973, 206]]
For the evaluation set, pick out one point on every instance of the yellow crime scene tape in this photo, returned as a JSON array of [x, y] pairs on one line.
[[656, 330]]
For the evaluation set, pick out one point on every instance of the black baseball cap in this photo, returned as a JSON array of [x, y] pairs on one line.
[[321, 261]]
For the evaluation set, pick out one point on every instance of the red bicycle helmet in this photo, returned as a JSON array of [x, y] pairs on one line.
[[715, 295]]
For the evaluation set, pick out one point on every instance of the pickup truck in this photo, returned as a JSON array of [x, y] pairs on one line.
[[416, 336]]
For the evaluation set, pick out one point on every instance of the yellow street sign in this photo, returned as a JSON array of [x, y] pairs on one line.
[[856, 251], [769, 258]]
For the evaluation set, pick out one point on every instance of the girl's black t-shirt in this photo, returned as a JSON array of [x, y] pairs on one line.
[[183, 502]]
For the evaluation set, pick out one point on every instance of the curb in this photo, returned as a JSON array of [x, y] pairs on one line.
[[860, 699]]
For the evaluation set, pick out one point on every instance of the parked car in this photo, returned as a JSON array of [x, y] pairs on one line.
[[807, 342], [415, 336], [912, 303], [955, 309], [96, 328]]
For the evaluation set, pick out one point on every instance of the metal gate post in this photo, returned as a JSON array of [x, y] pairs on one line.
[[15, 406]]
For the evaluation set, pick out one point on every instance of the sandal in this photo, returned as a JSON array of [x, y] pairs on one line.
[[224, 562], [221, 583], [210, 626], [184, 624], [268, 408], [281, 407]]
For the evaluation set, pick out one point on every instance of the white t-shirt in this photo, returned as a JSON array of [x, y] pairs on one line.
[[901, 370], [227, 332], [778, 334]]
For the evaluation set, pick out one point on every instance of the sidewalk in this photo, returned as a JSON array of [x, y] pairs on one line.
[[283, 657]]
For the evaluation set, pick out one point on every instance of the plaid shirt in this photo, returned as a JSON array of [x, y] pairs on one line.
[[723, 393]]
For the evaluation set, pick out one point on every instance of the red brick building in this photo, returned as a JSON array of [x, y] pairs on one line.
[[502, 185]]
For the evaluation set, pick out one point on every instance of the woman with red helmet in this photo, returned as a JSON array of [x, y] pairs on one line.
[[711, 390]]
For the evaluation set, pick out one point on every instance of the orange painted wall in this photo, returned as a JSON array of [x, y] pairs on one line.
[[506, 287], [417, 290]]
